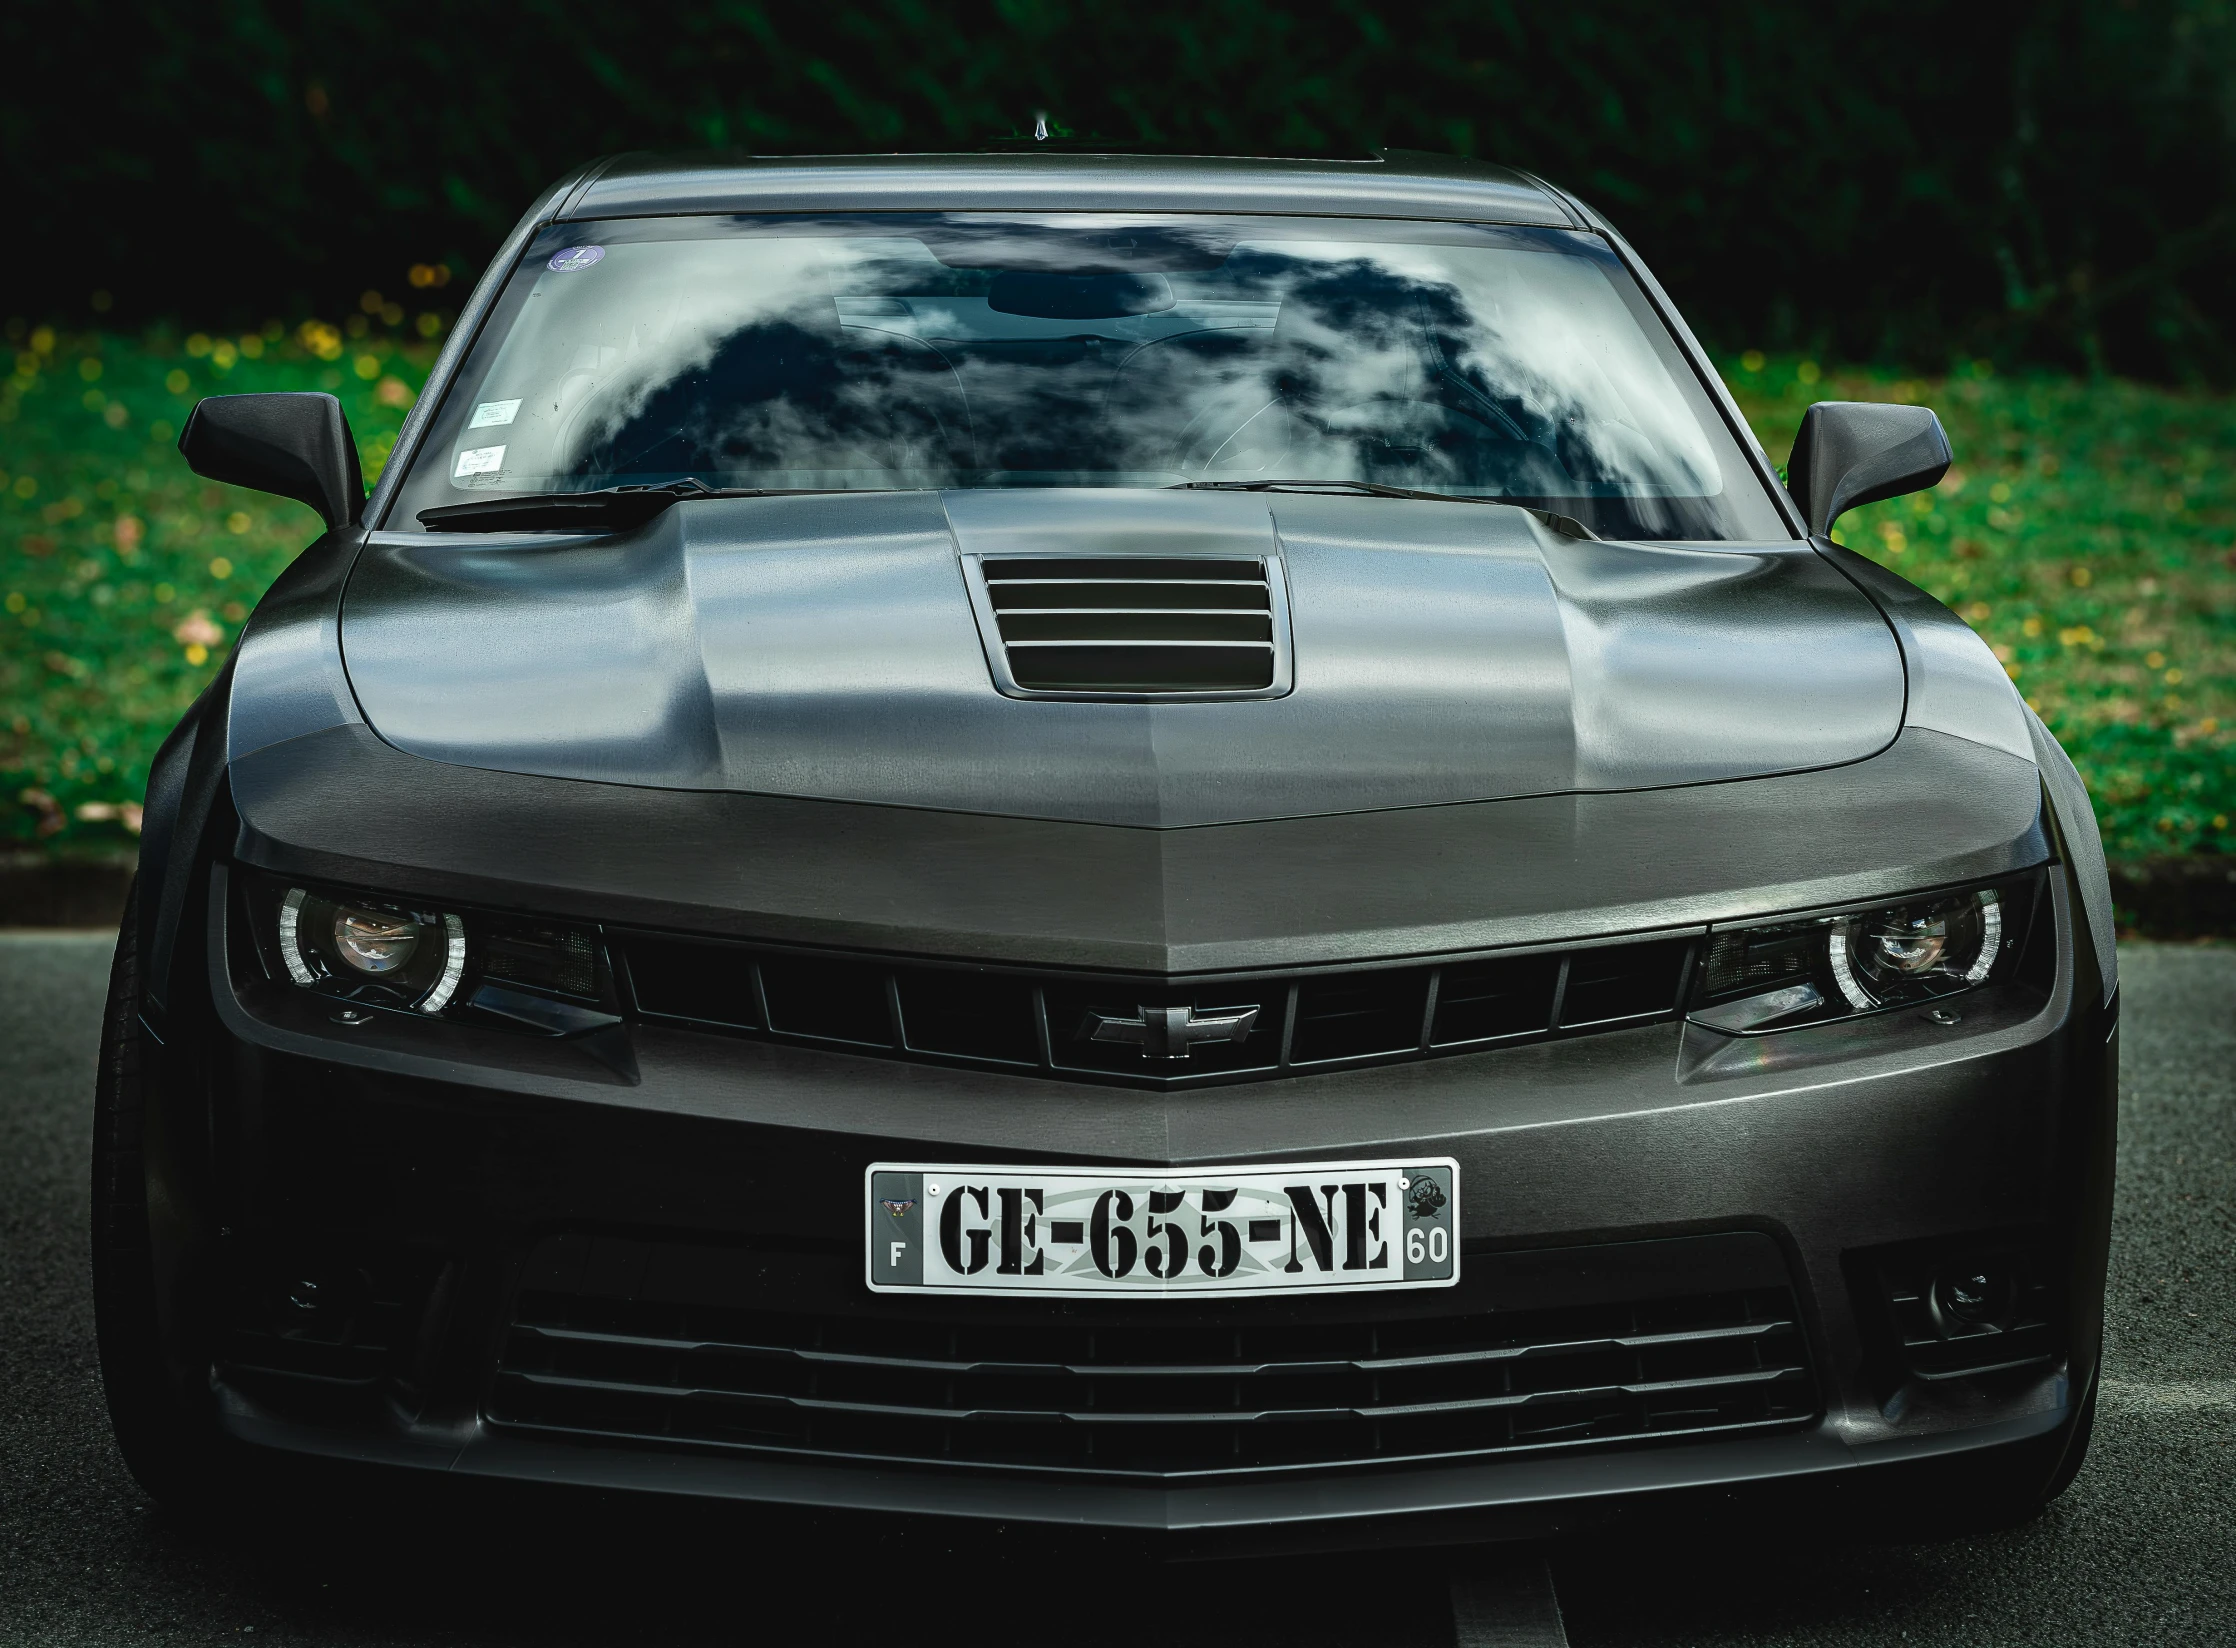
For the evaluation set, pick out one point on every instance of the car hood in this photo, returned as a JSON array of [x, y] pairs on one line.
[[826, 647]]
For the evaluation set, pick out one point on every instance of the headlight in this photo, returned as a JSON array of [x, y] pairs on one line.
[[396, 957], [1822, 967], [372, 951], [1918, 950]]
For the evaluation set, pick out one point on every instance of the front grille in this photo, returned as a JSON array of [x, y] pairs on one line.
[[1131, 627], [1251, 1385], [1088, 1028]]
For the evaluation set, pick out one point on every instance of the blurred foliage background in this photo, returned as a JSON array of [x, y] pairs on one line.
[[2024, 215], [2051, 180]]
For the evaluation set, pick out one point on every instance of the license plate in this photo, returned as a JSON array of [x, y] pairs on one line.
[[1072, 1233]]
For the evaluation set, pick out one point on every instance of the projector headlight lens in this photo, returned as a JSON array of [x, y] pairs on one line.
[[374, 943], [386, 955], [1799, 972], [1917, 950]]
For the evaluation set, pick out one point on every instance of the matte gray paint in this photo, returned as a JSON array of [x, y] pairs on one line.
[[288, 678], [1933, 810], [1924, 1131], [1928, 1129], [1956, 685], [825, 646], [2083, 847]]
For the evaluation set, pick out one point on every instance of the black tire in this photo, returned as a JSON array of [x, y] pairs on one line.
[[168, 1438], [2076, 1450]]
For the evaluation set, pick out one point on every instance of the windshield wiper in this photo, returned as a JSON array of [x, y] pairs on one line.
[[611, 508], [1566, 525]]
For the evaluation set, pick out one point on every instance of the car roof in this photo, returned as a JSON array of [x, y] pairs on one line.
[[1390, 183]]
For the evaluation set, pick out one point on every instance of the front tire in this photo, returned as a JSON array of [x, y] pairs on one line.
[[168, 1437]]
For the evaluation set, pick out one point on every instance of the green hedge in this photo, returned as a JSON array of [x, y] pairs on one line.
[[2085, 532], [2051, 181]]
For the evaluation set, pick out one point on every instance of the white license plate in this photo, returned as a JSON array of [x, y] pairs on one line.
[[1079, 1232]]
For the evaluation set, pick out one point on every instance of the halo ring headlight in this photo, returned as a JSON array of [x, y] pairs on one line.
[[378, 954], [1862, 961]]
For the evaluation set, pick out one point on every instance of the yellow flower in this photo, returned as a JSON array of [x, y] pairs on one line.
[[1752, 360], [2000, 492], [368, 367], [1808, 371], [176, 381], [2154, 660], [197, 654], [2080, 577], [2033, 626], [221, 568], [238, 521], [2173, 677], [198, 345]]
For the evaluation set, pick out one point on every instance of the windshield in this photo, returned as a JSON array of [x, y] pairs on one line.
[[883, 351]]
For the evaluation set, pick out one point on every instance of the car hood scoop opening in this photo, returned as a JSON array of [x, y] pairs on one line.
[[1132, 628], [1121, 656]]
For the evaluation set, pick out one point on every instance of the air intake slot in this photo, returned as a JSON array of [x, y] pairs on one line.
[[1133, 627]]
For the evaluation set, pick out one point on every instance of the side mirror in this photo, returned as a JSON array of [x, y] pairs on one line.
[[296, 445], [1857, 452]]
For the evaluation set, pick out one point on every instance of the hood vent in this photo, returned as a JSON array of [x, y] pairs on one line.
[[1133, 627]]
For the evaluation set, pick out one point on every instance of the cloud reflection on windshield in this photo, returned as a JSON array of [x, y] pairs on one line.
[[858, 360]]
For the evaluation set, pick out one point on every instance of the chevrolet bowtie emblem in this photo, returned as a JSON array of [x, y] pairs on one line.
[[1172, 1032]]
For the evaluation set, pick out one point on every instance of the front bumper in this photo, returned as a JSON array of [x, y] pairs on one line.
[[427, 1196]]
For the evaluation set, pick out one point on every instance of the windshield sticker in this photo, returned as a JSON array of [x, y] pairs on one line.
[[576, 257], [479, 460], [492, 412]]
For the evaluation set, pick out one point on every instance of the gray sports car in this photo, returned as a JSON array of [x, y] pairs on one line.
[[1177, 844]]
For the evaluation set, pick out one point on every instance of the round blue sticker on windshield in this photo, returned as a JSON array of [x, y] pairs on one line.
[[576, 257]]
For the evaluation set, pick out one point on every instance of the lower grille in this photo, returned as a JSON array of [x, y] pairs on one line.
[[1253, 1385]]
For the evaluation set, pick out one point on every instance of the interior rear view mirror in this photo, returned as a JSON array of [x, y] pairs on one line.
[[1857, 452], [295, 445]]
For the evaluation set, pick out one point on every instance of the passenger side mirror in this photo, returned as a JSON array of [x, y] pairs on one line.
[[1857, 452], [295, 445]]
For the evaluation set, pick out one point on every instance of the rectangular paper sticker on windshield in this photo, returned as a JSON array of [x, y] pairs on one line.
[[479, 460], [490, 413]]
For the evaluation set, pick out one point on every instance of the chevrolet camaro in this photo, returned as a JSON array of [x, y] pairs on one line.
[[1176, 844]]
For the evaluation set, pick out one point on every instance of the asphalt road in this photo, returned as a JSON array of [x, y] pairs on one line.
[[2141, 1550]]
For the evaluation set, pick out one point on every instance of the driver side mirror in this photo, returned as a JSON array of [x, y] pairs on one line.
[[1857, 452], [295, 445]]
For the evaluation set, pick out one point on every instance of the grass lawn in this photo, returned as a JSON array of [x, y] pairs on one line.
[[2086, 532]]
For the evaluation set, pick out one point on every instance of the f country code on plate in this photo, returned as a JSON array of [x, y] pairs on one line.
[[1108, 1232]]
